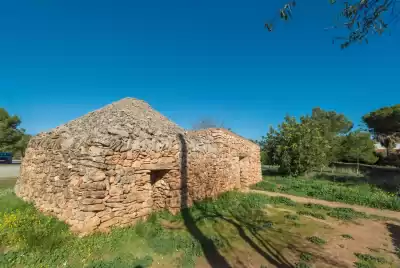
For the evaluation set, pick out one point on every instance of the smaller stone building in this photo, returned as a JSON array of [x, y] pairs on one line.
[[120, 163]]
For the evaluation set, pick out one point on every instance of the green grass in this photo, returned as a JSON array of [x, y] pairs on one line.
[[351, 192], [306, 256], [302, 265], [30, 239], [347, 236], [312, 214], [346, 214], [291, 217], [316, 240], [368, 261], [370, 258]]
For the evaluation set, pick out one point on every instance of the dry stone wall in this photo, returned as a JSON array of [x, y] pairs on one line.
[[120, 163]]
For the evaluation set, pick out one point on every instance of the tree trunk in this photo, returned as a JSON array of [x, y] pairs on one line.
[[358, 165]]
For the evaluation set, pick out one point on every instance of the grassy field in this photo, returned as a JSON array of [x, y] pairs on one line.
[[341, 186], [236, 230]]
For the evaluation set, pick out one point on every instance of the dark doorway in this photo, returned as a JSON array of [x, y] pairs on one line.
[[159, 189]]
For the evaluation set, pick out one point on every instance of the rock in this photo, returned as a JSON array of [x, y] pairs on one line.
[[119, 132], [94, 194], [94, 208], [115, 190], [91, 201], [99, 175], [109, 223], [92, 222], [115, 205], [120, 163]]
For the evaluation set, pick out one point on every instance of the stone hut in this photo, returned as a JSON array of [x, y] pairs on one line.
[[120, 163]]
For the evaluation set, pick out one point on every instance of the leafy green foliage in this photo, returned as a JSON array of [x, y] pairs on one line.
[[358, 147], [331, 123], [311, 143], [385, 120], [351, 193], [384, 124], [316, 240], [297, 147], [12, 138]]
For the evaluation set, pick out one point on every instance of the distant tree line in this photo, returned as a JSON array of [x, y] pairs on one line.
[[12, 138], [324, 137]]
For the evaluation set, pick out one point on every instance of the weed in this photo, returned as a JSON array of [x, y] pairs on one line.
[[41, 241], [283, 200], [363, 265], [302, 265], [347, 236], [397, 250], [306, 256], [291, 217], [317, 206], [316, 240], [346, 214], [369, 258], [312, 214]]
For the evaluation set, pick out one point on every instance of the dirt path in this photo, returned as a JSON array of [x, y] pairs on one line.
[[300, 199]]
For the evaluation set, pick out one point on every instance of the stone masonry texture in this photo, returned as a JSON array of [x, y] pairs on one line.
[[118, 164]]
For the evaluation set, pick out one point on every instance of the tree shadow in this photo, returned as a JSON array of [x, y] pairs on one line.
[[261, 246], [210, 250], [271, 171], [394, 231], [211, 253], [386, 179]]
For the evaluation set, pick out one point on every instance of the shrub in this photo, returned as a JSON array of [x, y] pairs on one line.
[[291, 217], [370, 258], [306, 256], [347, 236], [302, 265], [316, 240]]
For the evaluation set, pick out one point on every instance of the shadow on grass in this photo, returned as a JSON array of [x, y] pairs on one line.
[[394, 231], [271, 171], [386, 179], [250, 234], [210, 250], [211, 253]]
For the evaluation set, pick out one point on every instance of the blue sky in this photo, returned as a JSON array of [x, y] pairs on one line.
[[188, 59]]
